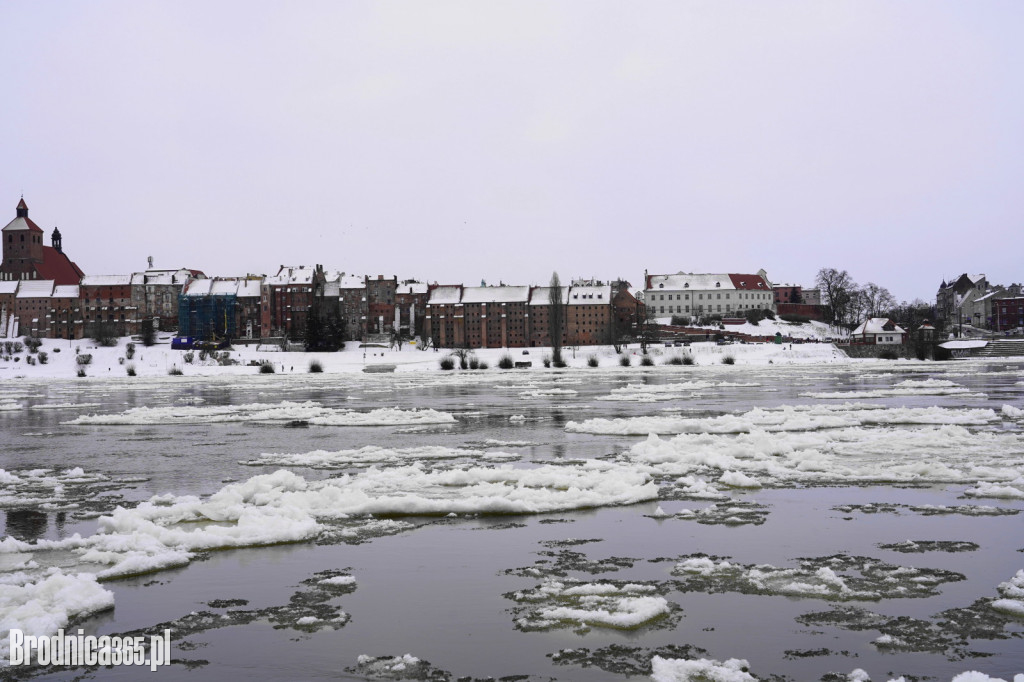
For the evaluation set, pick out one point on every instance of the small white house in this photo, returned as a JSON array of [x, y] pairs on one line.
[[879, 331]]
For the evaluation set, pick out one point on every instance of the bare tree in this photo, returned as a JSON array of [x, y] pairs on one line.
[[837, 294], [874, 301], [556, 318]]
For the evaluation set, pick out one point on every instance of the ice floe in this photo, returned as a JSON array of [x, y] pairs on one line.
[[703, 669], [786, 418], [310, 412], [580, 605], [1012, 596], [371, 454], [47, 603]]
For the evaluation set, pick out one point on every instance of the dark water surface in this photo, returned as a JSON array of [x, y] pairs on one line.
[[438, 589]]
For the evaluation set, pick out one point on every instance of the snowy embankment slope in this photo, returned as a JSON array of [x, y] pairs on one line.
[[811, 331], [62, 361]]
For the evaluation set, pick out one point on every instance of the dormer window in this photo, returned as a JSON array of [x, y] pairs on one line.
[[718, 284], [600, 295], [686, 285], [661, 286]]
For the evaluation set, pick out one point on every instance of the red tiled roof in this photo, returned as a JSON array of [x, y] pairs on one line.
[[57, 266], [749, 282], [22, 204]]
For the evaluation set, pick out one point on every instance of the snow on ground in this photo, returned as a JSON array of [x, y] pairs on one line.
[[160, 359]]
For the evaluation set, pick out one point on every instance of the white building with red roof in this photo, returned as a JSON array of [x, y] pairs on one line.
[[693, 294]]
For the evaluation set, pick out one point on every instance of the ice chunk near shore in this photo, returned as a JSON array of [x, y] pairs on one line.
[[975, 676], [1013, 491], [46, 605], [1012, 592], [736, 479], [700, 670], [1011, 412]]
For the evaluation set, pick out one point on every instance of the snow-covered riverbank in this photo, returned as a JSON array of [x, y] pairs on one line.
[[62, 358]]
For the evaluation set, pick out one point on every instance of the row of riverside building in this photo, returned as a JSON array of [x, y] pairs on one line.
[[43, 293]]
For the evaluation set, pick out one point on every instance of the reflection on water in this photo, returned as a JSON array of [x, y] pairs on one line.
[[26, 524]]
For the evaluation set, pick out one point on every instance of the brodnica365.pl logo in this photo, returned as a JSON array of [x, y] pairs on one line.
[[76, 650]]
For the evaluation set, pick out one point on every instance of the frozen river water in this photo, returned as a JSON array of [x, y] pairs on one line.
[[811, 520]]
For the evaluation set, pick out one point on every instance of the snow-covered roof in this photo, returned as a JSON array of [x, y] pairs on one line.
[[686, 280], [351, 282], [35, 288], [590, 295], [412, 288], [243, 287], [8, 286], [162, 277], [66, 291], [445, 295], [301, 274], [106, 280], [875, 325], [198, 287], [223, 286], [499, 294], [542, 295], [331, 289], [249, 287]]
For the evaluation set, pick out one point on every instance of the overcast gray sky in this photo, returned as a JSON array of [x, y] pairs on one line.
[[460, 141]]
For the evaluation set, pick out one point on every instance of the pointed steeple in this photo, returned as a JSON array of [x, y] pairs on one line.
[[22, 209]]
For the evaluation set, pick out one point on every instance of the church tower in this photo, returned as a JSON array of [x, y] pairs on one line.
[[23, 244], [55, 240]]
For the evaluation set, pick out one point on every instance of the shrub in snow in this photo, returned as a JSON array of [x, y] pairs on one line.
[[56, 350], [81, 371], [266, 367], [315, 367], [624, 360], [728, 360], [175, 371], [674, 360], [647, 361], [18, 347], [84, 359], [687, 359], [447, 363], [129, 351], [30, 360], [474, 363], [189, 357], [43, 357], [129, 369], [592, 361], [32, 343], [202, 356], [483, 365], [558, 363], [506, 362], [546, 360]]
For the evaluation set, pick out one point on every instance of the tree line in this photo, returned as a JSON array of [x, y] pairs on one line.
[[847, 304]]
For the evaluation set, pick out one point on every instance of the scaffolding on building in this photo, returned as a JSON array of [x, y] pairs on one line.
[[207, 318]]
